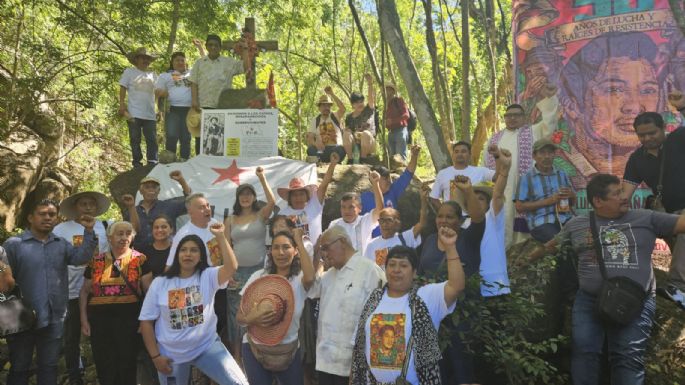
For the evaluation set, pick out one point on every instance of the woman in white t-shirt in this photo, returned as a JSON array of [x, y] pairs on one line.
[[288, 258], [178, 323], [175, 86], [305, 202], [401, 318]]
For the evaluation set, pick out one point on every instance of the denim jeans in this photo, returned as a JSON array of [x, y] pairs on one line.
[[627, 344], [256, 373], [72, 341], [397, 141], [47, 341], [136, 129], [216, 362], [545, 233], [177, 130]]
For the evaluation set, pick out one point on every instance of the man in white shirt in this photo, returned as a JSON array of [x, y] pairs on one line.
[[200, 215], [93, 204], [444, 187], [360, 227], [343, 291]]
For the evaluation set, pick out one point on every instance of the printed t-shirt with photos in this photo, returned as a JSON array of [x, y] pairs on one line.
[[389, 327], [627, 245], [308, 218], [214, 257], [300, 295], [184, 311], [73, 233], [107, 274], [378, 248], [330, 133]]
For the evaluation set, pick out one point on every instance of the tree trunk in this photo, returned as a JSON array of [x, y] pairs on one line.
[[174, 27], [490, 38], [466, 88], [487, 119], [441, 98], [390, 25]]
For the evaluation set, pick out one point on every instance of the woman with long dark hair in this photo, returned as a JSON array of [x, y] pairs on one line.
[[178, 323], [175, 86]]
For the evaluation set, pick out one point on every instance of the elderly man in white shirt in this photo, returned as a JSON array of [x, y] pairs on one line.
[[343, 290]]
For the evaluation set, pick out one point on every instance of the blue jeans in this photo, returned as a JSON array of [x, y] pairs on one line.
[[149, 130], [177, 130], [626, 344], [216, 362], [47, 341], [397, 141], [293, 375], [545, 233]]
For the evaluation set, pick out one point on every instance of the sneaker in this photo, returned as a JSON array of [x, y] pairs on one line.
[[674, 294]]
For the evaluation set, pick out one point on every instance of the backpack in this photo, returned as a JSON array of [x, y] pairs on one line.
[[333, 118], [411, 125]]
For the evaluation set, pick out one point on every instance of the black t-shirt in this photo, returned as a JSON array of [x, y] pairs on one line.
[[644, 167], [468, 247], [156, 259]]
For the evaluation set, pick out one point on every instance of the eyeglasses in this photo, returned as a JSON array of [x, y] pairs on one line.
[[386, 220], [325, 246]]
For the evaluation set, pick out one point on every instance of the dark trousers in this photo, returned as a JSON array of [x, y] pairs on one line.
[[47, 342], [332, 379], [325, 156], [115, 342], [177, 130], [72, 342], [137, 128], [545, 233]]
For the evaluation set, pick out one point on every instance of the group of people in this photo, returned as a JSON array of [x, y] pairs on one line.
[[341, 304]]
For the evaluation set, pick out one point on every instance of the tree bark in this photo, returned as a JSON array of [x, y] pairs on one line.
[[487, 119], [678, 14], [174, 27], [390, 25], [466, 88]]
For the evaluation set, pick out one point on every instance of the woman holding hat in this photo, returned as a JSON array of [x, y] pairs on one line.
[[110, 302], [178, 323], [271, 308], [139, 83], [174, 84], [397, 335], [305, 202], [246, 231]]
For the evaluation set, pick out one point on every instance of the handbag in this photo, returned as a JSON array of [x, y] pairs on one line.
[[620, 299], [402, 378], [274, 358], [16, 315]]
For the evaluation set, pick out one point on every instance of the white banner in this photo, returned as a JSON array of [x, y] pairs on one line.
[[240, 133], [218, 177]]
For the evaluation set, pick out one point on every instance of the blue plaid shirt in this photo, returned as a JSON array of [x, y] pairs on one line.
[[534, 186]]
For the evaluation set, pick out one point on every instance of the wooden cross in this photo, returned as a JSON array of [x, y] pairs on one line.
[[262, 46]]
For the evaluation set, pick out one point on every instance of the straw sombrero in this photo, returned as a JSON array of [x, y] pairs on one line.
[[193, 122], [140, 51], [67, 208], [272, 291], [484, 187], [296, 184]]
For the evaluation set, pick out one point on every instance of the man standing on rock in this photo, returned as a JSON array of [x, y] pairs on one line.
[[150, 207], [37, 261]]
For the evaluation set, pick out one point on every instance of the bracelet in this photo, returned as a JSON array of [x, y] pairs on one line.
[[158, 355], [452, 259]]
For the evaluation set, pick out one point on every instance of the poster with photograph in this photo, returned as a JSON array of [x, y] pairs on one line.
[[240, 133]]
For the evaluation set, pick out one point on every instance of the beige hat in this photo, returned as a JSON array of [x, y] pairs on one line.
[[140, 51], [193, 122], [149, 179], [542, 143], [484, 187], [67, 208], [324, 99]]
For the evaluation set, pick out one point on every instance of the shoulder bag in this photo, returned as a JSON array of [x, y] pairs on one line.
[[15, 313], [620, 299]]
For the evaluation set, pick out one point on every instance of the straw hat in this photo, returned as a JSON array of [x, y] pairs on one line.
[[324, 99], [484, 187], [193, 122], [296, 184], [140, 51], [67, 208], [149, 179], [275, 292]]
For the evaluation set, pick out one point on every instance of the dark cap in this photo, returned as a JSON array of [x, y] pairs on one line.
[[356, 97], [382, 171], [542, 143]]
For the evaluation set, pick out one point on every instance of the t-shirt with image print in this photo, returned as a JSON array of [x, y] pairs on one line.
[[627, 245], [184, 311]]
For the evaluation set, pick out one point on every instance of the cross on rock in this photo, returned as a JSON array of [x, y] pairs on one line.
[[248, 49]]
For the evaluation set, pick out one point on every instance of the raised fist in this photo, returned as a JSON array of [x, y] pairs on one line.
[[415, 150], [328, 90], [216, 228], [676, 99], [462, 182], [335, 158], [259, 171], [128, 200], [447, 236], [374, 177], [176, 175]]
